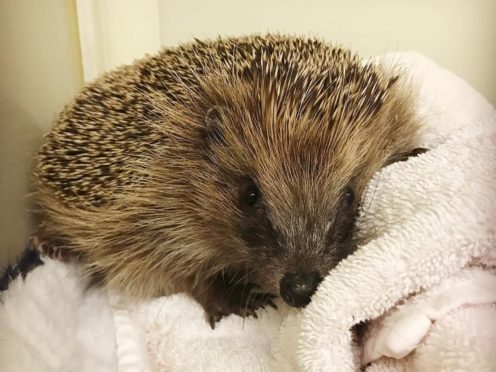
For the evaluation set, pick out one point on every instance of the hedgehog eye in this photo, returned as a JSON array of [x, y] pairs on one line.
[[348, 196], [251, 195]]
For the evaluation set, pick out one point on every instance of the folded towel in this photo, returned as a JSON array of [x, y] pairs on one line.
[[451, 327], [50, 321], [424, 284]]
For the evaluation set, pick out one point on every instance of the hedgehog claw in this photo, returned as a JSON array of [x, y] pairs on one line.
[[221, 299], [212, 320]]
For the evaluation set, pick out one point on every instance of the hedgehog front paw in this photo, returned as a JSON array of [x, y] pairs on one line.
[[243, 302], [224, 297]]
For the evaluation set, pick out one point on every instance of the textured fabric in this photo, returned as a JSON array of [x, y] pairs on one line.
[[50, 321], [451, 327]]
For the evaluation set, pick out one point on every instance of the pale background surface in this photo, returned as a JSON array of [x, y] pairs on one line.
[[40, 70], [49, 48]]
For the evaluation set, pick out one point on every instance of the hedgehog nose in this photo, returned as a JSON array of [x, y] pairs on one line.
[[297, 288]]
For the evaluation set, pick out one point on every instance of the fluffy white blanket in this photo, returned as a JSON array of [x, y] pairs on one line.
[[425, 285]]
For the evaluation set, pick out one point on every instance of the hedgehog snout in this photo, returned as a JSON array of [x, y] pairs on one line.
[[296, 289]]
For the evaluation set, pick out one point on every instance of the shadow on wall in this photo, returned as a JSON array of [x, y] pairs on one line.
[[20, 138]]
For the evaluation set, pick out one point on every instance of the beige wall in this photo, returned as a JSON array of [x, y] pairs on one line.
[[40, 70], [458, 34]]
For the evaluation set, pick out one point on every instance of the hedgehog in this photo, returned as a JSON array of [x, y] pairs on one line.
[[229, 169]]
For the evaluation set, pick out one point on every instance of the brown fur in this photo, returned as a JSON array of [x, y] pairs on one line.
[[142, 181]]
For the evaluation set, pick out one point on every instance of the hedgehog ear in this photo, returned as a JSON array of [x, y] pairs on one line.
[[213, 125]]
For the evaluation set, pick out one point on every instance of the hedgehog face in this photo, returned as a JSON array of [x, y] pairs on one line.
[[289, 204], [295, 247]]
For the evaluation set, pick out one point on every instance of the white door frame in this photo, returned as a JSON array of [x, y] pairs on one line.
[[115, 32]]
